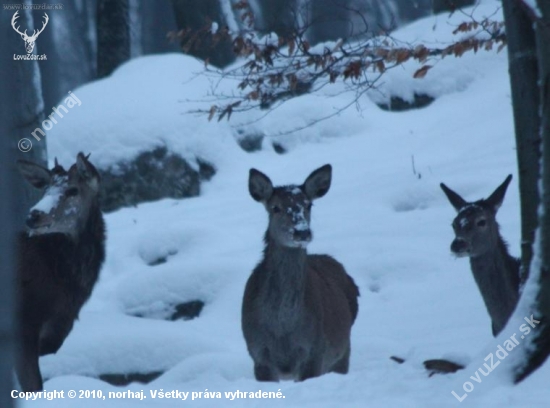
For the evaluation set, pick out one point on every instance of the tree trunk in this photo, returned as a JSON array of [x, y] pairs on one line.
[[20, 112], [278, 16], [522, 57], [157, 20], [413, 10], [25, 110], [537, 355], [194, 15], [329, 20], [7, 317], [439, 6], [113, 35]]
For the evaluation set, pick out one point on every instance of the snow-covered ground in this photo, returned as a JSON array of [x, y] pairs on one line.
[[387, 221]]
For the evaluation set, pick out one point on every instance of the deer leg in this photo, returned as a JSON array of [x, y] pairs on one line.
[[263, 372], [28, 371], [311, 368], [496, 328], [342, 365], [54, 333]]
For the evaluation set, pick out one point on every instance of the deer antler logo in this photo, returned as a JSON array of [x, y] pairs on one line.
[[29, 40]]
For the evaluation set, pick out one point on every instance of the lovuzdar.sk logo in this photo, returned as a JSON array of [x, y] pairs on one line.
[[29, 39]]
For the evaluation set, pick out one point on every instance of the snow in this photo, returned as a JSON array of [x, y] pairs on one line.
[[49, 201], [387, 224], [532, 4]]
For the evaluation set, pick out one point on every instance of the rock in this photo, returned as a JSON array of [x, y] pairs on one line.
[[279, 148], [181, 311], [125, 379], [398, 104], [151, 176], [438, 366], [188, 310], [249, 142], [398, 360]]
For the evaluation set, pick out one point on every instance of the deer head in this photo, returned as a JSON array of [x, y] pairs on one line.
[[475, 226], [289, 207], [29, 40], [69, 196]]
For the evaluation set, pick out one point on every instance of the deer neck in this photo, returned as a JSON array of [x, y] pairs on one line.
[[285, 272], [497, 276]]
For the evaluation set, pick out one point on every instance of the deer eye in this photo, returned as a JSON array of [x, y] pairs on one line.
[[481, 223], [71, 192], [276, 209]]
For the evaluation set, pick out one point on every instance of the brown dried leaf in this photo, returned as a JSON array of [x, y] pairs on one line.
[[353, 69], [421, 73], [213, 110], [402, 55], [421, 53], [291, 46], [382, 52], [292, 81], [459, 49]]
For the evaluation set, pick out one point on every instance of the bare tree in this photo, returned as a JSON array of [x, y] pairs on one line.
[[20, 105], [276, 69], [528, 31], [191, 17], [277, 16], [440, 6], [26, 112], [113, 35], [157, 19], [523, 68]]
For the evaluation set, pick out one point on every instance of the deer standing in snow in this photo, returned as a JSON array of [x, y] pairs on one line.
[[59, 258], [298, 309], [477, 236]]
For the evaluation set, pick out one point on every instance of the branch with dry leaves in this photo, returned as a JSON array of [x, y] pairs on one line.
[[273, 69]]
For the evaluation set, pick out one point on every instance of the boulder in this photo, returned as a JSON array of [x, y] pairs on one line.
[[151, 176]]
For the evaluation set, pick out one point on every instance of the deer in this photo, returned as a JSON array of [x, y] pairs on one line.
[[59, 257], [29, 40], [477, 236], [297, 309]]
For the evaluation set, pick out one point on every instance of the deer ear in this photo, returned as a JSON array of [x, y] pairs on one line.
[[35, 174], [87, 171], [317, 183], [456, 201], [259, 186], [495, 200]]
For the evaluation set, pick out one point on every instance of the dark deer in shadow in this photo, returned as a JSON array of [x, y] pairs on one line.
[[298, 309], [477, 236], [59, 258]]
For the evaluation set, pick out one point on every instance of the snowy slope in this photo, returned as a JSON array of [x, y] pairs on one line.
[[388, 225]]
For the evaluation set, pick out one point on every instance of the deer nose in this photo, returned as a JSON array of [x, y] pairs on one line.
[[33, 218], [459, 246], [302, 235]]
